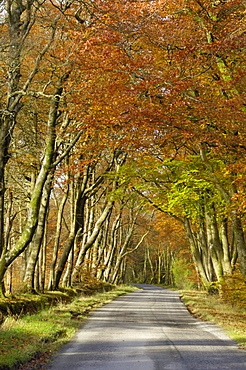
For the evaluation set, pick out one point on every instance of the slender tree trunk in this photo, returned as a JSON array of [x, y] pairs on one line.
[[8, 257], [102, 251], [227, 257], [196, 253], [38, 237], [67, 278], [123, 252], [92, 238], [63, 260], [145, 265], [112, 247], [20, 20], [214, 243], [9, 113], [240, 243], [118, 160], [57, 237], [44, 261], [76, 227], [152, 276], [95, 254], [84, 192]]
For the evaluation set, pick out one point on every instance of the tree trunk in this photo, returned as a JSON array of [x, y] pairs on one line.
[[196, 253], [57, 237], [92, 238], [63, 260], [9, 113], [214, 242], [42, 263], [102, 250], [118, 160], [67, 278], [112, 247], [227, 256], [240, 243], [123, 251], [38, 238], [76, 227], [8, 257]]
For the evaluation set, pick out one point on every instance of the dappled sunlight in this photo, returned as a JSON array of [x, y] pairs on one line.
[[150, 329]]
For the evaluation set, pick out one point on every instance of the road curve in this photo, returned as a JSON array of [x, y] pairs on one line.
[[149, 329]]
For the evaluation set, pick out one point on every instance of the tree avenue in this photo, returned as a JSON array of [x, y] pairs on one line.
[[122, 153]]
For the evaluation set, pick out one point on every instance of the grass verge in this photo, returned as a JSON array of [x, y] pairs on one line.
[[212, 308], [39, 335]]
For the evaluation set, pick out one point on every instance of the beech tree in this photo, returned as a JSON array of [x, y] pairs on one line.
[[163, 81], [184, 190], [23, 22], [196, 94]]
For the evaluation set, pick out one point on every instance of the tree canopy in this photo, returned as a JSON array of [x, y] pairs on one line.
[[116, 118]]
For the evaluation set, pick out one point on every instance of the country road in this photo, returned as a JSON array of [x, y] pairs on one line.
[[149, 329]]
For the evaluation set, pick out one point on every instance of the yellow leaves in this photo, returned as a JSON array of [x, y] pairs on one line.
[[233, 289], [226, 173]]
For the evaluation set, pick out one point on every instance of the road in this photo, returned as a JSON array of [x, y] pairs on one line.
[[149, 329]]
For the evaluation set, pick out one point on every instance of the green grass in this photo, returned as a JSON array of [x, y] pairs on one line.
[[37, 336], [230, 317], [21, 339]]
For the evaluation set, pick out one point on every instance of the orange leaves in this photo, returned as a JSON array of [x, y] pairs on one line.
[[233, 289]]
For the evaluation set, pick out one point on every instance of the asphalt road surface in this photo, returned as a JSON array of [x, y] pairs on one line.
[[148, 329]]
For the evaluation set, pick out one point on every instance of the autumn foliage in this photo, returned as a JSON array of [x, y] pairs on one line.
[[112, 110]]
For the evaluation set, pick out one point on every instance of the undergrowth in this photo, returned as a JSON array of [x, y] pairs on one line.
[[41, 334]]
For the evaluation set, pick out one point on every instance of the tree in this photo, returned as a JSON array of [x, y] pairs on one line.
[[163, 81], [23, 85]]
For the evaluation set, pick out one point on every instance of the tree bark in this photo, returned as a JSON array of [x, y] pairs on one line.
[[38, 237], [8, 257], [196, 253], [8, 114], [57, 236], [92, 238], [240, 242], [112, 247], [76, 227]]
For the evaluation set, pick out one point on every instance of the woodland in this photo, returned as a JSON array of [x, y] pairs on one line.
[[122, 143]]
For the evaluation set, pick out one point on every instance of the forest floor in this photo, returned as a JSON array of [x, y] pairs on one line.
[[28, 341]]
